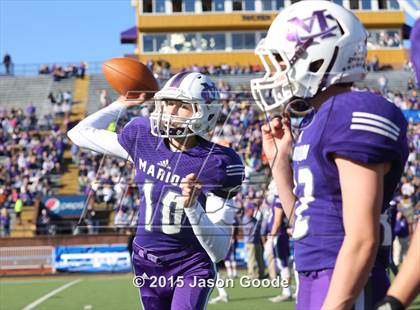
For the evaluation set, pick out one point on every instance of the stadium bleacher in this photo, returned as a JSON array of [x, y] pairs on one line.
[[97, 84], [18, 92]]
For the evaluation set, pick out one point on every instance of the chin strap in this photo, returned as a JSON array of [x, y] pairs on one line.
[[301, 113], [298, 107]]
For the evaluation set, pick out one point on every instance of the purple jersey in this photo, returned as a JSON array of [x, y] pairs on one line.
[[360, 126], [163, 228]]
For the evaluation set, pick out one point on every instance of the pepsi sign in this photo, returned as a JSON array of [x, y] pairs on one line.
[[65, 205]]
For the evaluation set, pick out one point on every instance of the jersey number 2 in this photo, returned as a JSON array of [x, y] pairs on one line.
[[301, 226]]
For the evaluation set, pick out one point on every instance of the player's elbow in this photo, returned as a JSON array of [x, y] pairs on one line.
[[75, 135], [366, 243]]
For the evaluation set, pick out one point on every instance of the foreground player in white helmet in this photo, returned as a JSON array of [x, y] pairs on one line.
[[347, 159], [187, 182]]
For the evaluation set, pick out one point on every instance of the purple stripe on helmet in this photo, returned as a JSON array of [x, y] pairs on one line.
[[178, 79]]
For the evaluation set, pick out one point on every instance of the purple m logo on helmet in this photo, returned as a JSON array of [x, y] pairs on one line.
[[307, 25], [209, 92]]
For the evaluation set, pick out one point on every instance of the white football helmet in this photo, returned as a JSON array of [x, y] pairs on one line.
[[310, 46], [192, 88]]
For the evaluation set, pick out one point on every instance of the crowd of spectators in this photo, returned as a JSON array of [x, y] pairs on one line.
[[406, 202], [162, 69], [61, 102], [59, 72], [31, 151], [224, 69], [384, 38]]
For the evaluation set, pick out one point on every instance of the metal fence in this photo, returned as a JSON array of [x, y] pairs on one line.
[[94, 67]]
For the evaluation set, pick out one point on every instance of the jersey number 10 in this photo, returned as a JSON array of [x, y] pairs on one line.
[[171, 200]]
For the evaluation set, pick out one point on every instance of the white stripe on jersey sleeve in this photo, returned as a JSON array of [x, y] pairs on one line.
[[375, 130], [378, 118], [235, 173], [235, 170], [375, 123]]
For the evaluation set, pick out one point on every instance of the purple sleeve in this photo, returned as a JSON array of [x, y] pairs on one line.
[[223, 174], [131, 134], [365, 128]]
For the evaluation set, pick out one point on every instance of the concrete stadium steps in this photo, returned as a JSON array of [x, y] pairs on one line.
[[28, 227], [63, 85], [80, 92], [111, 219], [69, 180], [56, 87], [18, 92]]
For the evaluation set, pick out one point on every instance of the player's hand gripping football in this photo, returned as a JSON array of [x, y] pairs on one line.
[[191, 188], [277, 140], [132, 102]]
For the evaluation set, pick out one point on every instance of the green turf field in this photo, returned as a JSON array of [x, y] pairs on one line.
[[94, 292]]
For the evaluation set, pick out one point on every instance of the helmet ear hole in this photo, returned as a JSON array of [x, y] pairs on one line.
[[210, 117], [316, 65]]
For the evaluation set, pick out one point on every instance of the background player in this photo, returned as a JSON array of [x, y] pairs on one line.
[[279, 241], [347, 159], [182, 176]]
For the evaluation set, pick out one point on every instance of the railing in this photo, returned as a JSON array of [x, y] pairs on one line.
[[94, 67], [37, 257]]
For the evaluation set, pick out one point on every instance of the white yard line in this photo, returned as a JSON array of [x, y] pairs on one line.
[[50, 294]]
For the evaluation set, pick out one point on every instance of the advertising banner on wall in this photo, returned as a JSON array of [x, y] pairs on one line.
[[92, 258], [65, 205]]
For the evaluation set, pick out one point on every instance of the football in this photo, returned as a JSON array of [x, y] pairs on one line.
[[129, 75]]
